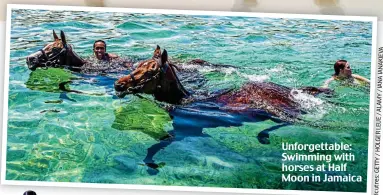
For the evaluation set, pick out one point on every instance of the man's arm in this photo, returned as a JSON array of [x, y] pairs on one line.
[[112, 56]]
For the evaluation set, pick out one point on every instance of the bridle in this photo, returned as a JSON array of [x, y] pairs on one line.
[[137, 86], [50, 61]]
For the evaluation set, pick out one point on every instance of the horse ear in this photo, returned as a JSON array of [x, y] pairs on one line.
[[63, 39], [55, 36], [157, 52], [164, 57]]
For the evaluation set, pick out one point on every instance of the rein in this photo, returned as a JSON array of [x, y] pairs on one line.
[[53, 61], [164, 69], [137, 86], [161, 75], [141, 84]]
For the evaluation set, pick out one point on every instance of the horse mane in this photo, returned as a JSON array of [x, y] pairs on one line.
[[170, 89], [157, 56]]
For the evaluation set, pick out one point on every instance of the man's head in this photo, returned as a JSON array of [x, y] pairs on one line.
[[342, 68], [99, 49]]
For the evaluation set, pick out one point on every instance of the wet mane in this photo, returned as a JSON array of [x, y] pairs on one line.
[[170, 89]]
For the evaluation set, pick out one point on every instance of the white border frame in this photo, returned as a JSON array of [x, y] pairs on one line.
[[374, 21]]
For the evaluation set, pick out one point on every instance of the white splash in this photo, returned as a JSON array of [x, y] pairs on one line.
[[278, 68], [207, 69], [229, 71], [315, 107], [256, 78]]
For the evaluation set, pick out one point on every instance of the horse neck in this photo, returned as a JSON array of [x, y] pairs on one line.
[[171, 89], [73, 59]]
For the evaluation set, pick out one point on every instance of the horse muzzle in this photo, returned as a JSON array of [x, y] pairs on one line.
[[122, 90], [33, 63], [34, 60]]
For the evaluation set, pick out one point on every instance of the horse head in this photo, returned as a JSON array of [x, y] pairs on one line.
[[154, 76], [56, 53]]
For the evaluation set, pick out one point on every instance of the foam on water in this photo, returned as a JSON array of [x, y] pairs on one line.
[[256, 78], [278, 68], [315, 107]]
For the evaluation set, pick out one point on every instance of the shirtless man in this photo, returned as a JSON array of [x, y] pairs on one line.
[[99, 49]]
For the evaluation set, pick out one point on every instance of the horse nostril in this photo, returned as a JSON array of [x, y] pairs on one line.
[[119, 86], [32, 60], [32, 63], [29, 60]]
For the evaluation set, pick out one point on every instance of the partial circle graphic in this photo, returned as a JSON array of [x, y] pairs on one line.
[[30, 192]]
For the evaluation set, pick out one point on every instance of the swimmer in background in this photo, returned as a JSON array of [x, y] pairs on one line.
[[343, 73]]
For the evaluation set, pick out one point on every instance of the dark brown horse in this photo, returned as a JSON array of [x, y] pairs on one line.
[[56, 54], [252, 102], [158, 77], [60, 54]]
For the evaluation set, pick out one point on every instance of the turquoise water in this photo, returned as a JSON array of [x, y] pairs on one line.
[[100, 139]]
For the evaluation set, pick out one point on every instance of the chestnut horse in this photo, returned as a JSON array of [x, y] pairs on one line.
[[252, 102], [56, 54]]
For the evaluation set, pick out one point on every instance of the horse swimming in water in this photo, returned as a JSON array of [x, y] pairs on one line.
[[158, 77], [59, 53], [255, 101]]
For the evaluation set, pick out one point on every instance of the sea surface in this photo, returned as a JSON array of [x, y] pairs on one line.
[[95, 137]]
